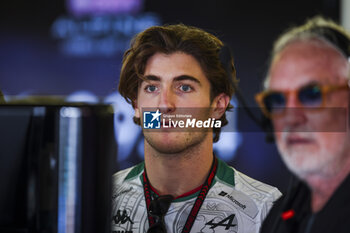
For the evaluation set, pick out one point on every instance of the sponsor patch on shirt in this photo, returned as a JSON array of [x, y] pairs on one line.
[[246, 204]]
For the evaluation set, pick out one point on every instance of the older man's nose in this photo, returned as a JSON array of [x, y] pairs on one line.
[[294, 112]]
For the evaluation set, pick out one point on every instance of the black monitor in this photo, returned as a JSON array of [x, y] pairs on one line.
[[56, 163]]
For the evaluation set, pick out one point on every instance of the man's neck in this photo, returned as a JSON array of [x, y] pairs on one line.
[[323, 186], [176, 174]]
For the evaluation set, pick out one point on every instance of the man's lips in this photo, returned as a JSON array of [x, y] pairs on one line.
[[166, 125], [296, 140]]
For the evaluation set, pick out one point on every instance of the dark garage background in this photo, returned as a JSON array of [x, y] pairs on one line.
[[38, 56]]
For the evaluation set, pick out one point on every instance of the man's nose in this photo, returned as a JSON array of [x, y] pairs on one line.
[[167, 100], [295, 112]]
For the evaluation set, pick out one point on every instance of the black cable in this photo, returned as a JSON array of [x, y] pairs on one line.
[[227, 61]]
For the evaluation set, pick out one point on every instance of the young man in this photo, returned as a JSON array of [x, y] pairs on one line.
[[182, 186], [307, 99]]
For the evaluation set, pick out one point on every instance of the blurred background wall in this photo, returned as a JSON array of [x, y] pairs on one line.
[[74, 48]]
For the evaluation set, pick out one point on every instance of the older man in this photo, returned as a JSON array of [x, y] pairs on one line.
[[307, 99]]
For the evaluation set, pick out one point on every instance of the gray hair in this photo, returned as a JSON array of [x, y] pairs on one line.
[[317, 28]]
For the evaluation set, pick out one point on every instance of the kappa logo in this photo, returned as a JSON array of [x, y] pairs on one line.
[[122, 218], [228, 222], [151, 120]]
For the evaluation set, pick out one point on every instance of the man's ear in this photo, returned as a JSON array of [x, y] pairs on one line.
[[219, 105], [136, 109]]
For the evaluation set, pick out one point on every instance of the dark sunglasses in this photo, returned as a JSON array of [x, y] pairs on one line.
[[273, 102], [157, 209]]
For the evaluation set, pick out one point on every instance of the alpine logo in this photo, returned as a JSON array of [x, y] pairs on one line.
[[122, 218], [228, 222]]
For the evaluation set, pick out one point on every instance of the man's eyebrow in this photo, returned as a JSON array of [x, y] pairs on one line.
[[152, 78], [176, 79], [186, 77]]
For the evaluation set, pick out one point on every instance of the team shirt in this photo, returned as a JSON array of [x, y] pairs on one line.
[[235, 203]]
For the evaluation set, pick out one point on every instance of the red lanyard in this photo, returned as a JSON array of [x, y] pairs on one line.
[[197, 204]]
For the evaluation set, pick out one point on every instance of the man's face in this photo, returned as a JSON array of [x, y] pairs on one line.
[[175, 82], [305, 149]]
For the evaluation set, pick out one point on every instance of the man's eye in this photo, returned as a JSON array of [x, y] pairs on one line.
[[150, 88], [186, 88]]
